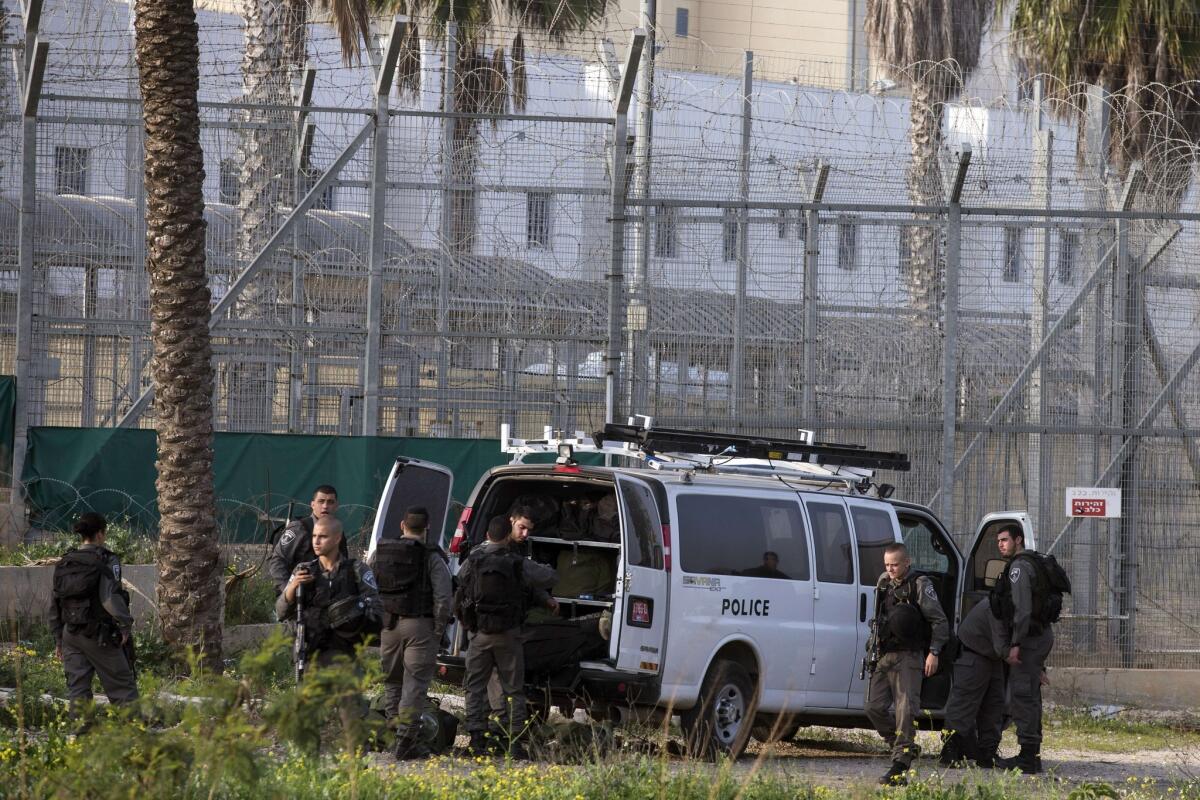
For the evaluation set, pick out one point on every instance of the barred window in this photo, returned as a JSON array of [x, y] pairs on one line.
[[71, 170], [729, 235], [231, 182], [1012, 255], [537, 219], [1068, 248], [847, 257], [666, 233]]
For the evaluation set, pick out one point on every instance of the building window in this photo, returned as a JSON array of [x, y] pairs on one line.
[[729, 235], [681, 22], [230, 189], [1012, 255], [71, 170], [905, 250], [537, 219], [1068, 247], [781, 225], [847, 257], [666, 233], [308, 179]]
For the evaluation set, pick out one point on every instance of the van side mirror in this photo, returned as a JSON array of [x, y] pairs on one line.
[[992, 571]]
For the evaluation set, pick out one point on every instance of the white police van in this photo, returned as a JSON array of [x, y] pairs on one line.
[[742, 571]]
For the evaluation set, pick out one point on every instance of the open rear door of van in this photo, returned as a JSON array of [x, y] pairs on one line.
[[640, 600], [413, 482], [984, 564]]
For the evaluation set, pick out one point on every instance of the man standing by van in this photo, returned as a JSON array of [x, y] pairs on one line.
[[414, 585], [492, 590], [911, 629], [1020, 601], [975, 708]]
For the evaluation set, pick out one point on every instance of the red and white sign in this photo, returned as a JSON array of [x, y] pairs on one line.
[[1098, 503]]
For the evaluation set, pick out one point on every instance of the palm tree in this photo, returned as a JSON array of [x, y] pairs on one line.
[[483, 83], [189, 589], [1147, 55], [930, 46]]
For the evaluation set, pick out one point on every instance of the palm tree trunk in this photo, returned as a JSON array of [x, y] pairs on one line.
[[189, 588], [265, 160], [925, 187]]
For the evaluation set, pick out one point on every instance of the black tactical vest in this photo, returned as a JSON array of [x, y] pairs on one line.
[[322, 593], [903, 628], [77, 589], [402, 569], [497, 590]]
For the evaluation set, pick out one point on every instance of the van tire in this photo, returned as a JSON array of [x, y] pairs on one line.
[[719, 724]]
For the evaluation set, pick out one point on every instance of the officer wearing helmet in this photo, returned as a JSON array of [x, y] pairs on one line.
[[912, 629]]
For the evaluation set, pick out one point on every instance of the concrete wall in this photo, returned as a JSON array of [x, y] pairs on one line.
[[25, 592], [1167, 689]]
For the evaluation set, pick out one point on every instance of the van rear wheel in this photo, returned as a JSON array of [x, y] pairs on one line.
[[719, 724]]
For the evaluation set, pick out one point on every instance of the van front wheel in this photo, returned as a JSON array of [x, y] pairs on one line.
[[719, 724]]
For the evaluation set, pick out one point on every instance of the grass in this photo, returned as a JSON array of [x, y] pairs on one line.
[[250, 733], [132, 545]]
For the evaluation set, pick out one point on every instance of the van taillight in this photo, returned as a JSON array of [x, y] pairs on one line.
[[460, 533], [666, 532]]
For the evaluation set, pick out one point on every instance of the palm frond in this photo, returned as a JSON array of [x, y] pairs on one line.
[[498, 85], [352, 22]]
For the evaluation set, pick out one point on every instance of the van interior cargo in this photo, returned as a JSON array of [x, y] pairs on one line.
[[576, 530]]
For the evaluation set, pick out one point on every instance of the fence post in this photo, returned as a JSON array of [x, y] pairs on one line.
[[1040, 456], [620, 186], [812, 275], [1127, 314], [737, 366], [638, 311], [378, 212], [304, 132], [449, 79], [35, 67], [950, 340]]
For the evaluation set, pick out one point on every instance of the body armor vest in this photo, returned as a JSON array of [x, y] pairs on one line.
[[497, 590], [904, 628], [402, 569], [319, 596]]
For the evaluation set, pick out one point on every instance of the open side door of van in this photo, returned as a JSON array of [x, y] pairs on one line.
[[640, 600], [412, 482], [984, 564]]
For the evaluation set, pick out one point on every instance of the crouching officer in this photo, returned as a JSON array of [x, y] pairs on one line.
[[493, 586], [1020, 601], [414, 585], [90, 617], [912, 630], [975, 708]]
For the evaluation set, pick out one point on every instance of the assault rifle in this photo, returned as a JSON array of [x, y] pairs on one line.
[[300, 648], [871, 661]]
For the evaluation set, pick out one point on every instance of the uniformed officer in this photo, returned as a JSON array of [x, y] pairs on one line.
[[89, 614], [1029, 645], [493, 586], [912, 630], [975, 708], [414, 585], [295, 544], [341, 607]]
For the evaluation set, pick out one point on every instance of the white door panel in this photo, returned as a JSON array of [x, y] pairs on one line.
[[640, 609], [875, 527], [835, 603]]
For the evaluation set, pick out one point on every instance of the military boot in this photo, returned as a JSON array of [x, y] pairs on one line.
[[1028, 760], [896, 776], [952, 754], [986, 759], [480, 744], [409, 747]]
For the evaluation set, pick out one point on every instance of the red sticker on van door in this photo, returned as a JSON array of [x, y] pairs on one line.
[[641, 611]]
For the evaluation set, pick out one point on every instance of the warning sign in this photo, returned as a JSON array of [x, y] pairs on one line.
[[1100, 503]]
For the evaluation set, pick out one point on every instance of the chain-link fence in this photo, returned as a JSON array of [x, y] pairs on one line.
[[497, 240]]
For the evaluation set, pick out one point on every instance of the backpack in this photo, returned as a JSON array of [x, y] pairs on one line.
[[491, 600], [402, 570], [1050, 582], [77, 587]]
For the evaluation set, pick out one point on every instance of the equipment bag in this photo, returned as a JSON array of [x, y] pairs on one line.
[[77, 587], [1050, 582]]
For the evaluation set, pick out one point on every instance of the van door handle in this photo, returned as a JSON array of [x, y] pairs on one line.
[[862, 608]]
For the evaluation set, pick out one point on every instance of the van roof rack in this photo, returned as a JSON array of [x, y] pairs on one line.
[[676, 449], [670, 441]]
